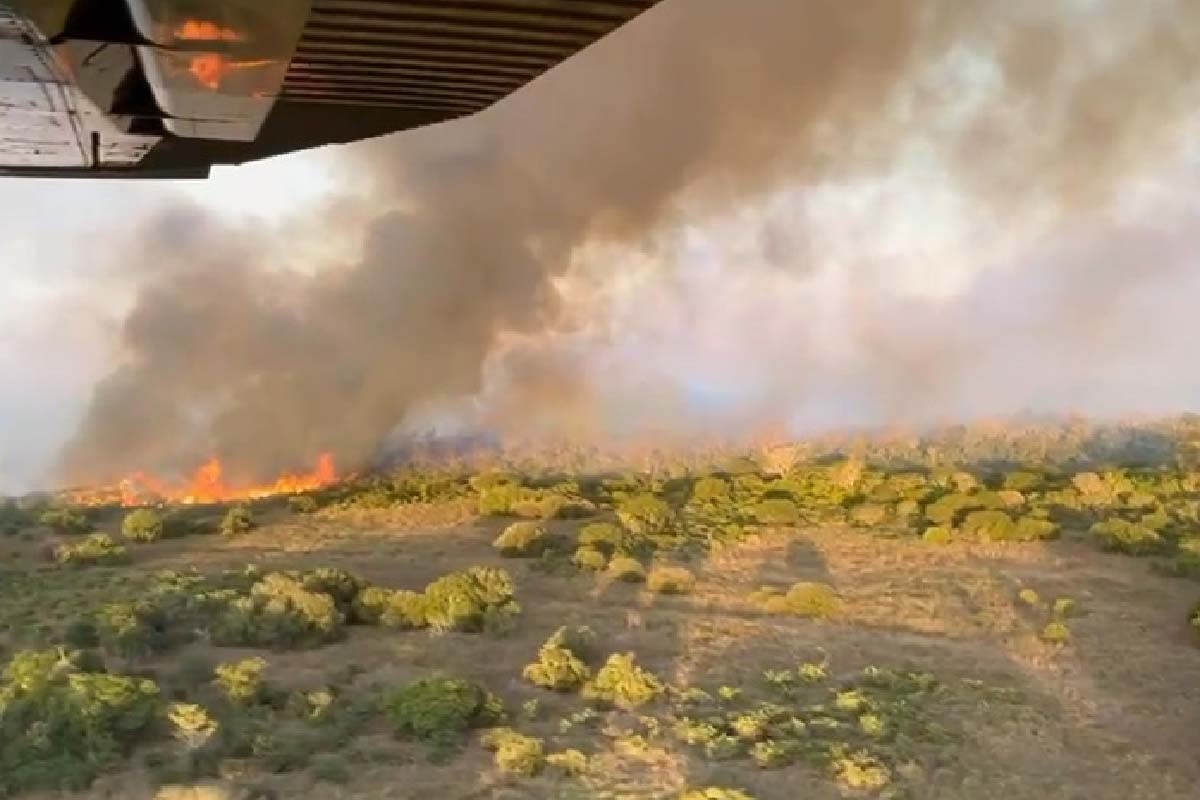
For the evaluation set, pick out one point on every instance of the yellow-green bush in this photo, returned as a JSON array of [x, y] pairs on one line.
[[516, 753], [438, 710], [804, 599], [95, 549], [777, 511], [237, 520], [589, 558], [670, 580], [521, 540], [602, 536], [622, 683], [629, 570], [645, 514], [242, 682], [142, 525], [1122, 536], [60, 726], [558, 665]]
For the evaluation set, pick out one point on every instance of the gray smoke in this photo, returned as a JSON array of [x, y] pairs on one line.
[[695, 111]]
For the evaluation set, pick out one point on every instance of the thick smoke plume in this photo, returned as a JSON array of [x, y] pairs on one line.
[[512, 259]]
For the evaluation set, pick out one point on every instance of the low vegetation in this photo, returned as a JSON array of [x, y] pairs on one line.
[[238, 677]]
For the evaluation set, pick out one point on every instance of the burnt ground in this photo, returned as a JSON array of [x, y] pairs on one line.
[[1115, 713]]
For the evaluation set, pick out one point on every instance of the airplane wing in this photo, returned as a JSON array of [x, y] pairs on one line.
[[168, 88]]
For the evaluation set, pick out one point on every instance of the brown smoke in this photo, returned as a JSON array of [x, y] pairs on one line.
[[698, 106]]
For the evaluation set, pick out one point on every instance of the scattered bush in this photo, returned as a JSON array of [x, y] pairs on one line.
[[96, 548], [242, 682], [558, 666], [1030, 598], [522, 540], [65, 520], [279, 612], [670, 580], [805, 599], [192, 725], [622, 683], [464, 600], [60, 727], [589, 558], [938, 534], [711, 489], [237, 520], [302, 504], [629, 570], [715, 793], [602, 535], [645, 514], [142, 525], [868, 515], [1056, 633], [991, 525], [1031, 529], [516, 753], [331, 768], [570, 762], [439, 710], [1121, 536], [948, 509], [777, 512], [1065, 607]]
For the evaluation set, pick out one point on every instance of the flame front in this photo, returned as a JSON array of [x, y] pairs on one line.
[[209, 485], [211, 69], [200, 30]]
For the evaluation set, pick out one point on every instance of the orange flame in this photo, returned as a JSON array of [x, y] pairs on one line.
[[211, 69], [208, 485], [199, 30]]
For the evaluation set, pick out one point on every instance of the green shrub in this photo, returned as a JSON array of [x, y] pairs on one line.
[[463, 600], [142, 525], [1065, 607], [303, 504], [516, 753], [192, 725], [991, 525], [521, 540], [645, 514], [804, 599], [602, 536], [439, 710], [589, 558], [629, 570], [1031, 529], [715, 793], [622, 683], [60, 727], [65, 519], [1121, 536], [95, 549], [498, 500], [331, 768], [711, 489], [948, 509], [868, 515], [571, 763], [670, 580], [558, 666], [279, 612], [237, 520], [1056, 633], [778, 512], [242, 682], [938, 534], [1030, 598]]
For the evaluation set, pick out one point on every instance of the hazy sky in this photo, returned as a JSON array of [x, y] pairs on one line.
[[1018, 244]]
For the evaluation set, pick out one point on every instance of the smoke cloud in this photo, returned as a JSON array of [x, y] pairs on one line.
[[726, 215]]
